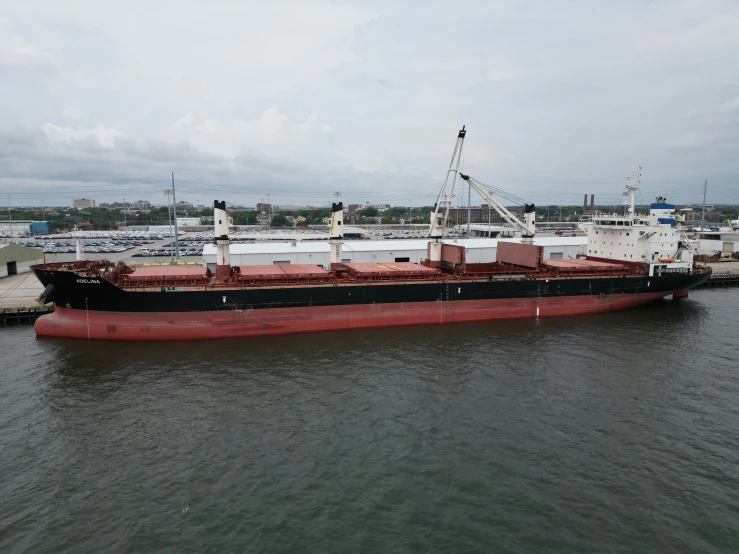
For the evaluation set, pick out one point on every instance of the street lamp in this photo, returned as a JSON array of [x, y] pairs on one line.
[[10, 218], [168, 193]]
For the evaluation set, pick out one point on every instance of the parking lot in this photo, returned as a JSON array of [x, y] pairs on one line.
[[114, 247]]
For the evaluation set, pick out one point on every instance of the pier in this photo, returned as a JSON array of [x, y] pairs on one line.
[[23, 315], [725, 274]]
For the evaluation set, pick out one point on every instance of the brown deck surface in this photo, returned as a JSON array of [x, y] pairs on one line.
[[261, 271], [564, 264], [279, 271], [308, 270], [163, 271], [389, 268], [582, 264]]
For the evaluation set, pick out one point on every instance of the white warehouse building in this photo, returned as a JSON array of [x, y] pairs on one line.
[[374, 251]]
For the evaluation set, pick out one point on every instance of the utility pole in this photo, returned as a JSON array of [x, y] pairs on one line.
[[269, 213], [703, 215], [174, 211]]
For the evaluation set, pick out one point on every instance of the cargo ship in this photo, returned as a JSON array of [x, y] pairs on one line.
[[631, 260]]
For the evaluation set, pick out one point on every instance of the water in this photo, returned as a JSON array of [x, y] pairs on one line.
[[609, 433]]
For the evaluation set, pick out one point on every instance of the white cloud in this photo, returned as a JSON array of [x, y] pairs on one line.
[[101, 136], [576, 92], [16, 49], [72, 112], [273, 134], [184, 121]]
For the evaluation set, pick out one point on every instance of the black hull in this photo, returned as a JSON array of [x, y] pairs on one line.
[[97, 294]]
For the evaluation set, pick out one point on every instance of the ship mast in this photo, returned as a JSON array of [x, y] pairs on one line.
[[336, 232], [223, 250], [438, 221], [632, 188], [78, 248]]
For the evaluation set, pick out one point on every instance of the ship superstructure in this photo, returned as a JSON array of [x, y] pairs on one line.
[[653, 238]]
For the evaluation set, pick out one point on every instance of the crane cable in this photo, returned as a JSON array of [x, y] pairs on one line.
[[499, 192]]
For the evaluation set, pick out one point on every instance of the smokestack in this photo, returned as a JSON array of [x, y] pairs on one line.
[[592, 202], [585, 203]]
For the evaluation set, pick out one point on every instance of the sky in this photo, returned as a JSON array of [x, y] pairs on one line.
[[299, 100]]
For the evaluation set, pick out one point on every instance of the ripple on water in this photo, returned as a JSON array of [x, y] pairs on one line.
[[617, 432]]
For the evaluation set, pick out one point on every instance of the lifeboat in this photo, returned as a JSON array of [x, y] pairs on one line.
[[666, 260]]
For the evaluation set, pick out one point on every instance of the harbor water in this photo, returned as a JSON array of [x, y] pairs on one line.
[[616, 432]]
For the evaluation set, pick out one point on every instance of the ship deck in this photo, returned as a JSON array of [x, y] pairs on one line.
[[302, 275]]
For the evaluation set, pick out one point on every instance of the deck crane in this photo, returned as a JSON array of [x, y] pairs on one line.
[[440, 213], [527, 227], [439, 218]]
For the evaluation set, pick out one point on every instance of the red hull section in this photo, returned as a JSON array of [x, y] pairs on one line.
[[66, 322]]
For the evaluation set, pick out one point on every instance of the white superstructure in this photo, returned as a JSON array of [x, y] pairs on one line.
[[654, 238]]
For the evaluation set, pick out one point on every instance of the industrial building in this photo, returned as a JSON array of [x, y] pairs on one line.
[[481, 213], [727, 243], [79, 203], [188, 221], [407, 250], [489, 231], [23, 227], [18, 259]]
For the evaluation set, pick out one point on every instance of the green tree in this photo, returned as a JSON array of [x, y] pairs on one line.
[[368, 212], [279, 221]]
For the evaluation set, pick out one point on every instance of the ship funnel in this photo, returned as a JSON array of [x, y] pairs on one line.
[[223, 250]]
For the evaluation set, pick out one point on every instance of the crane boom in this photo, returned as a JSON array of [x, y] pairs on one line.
[[527, 228], [439, 219]]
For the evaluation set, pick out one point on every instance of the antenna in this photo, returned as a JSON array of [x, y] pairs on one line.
[[631, 190]]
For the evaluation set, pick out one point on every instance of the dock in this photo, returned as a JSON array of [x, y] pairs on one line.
[[10, 316], [725, 274]]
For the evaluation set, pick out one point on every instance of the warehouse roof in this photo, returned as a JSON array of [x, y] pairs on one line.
[[382, 245], [15, 253]]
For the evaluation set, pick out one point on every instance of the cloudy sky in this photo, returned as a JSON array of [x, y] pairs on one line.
[[301, 99]]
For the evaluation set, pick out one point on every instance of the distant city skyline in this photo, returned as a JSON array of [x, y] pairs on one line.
[[193, 205]]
